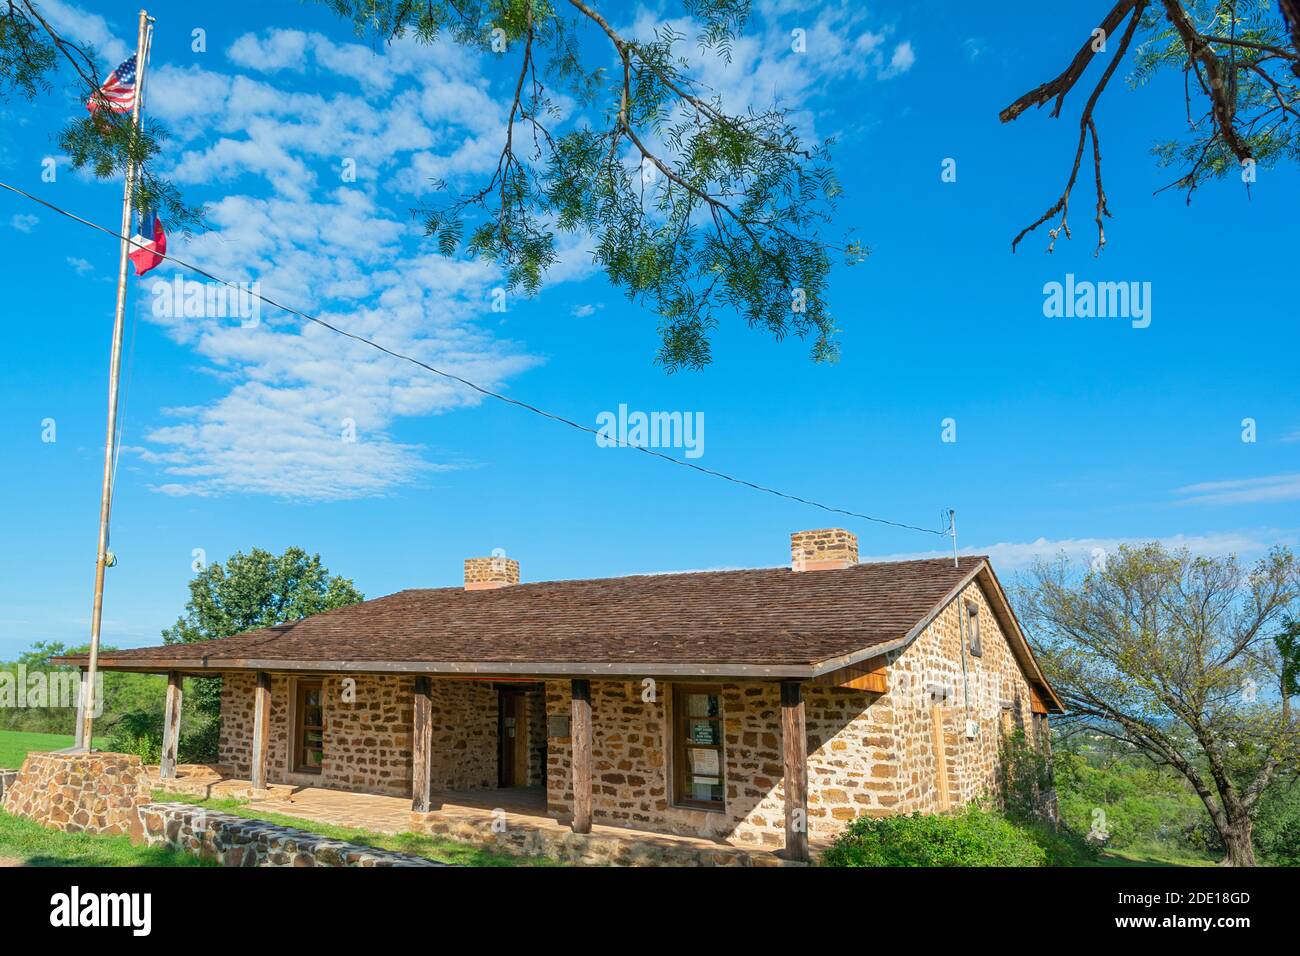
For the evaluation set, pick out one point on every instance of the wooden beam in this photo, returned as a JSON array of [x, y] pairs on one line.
[[940, 757], [81, 711], [171, 726], [261, 729], [581, 731], [422, 746], [870, 675], [794, 750]]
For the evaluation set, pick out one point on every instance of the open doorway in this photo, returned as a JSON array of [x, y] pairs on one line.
[[521, 736]]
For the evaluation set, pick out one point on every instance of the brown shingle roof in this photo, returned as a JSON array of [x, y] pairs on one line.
[[771, 617]]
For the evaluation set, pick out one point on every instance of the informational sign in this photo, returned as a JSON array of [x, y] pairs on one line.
[[705, 763]]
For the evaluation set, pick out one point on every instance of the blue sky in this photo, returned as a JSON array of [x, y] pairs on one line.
[[1072, 433]]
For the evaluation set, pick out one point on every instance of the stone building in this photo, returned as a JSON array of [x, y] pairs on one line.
[[757, 707]]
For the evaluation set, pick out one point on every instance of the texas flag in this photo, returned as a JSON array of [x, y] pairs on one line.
[[148, 252]]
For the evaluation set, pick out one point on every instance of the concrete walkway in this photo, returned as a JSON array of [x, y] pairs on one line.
[[514, 820]]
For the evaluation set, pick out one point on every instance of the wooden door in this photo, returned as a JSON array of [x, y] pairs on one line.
[[309, 729], [512, 734]]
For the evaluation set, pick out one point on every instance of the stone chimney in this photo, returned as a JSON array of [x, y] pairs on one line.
[[484, 574], [828, 549]]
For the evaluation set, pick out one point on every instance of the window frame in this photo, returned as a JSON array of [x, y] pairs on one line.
[[300, 725], [974, 641], [677, 727]]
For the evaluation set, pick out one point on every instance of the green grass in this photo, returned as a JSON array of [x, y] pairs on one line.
[[24, 842], [416, 844], [1159, 856], [16, 744]]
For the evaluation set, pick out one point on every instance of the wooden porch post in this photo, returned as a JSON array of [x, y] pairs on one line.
[[794, 749], [81, 712], [581, 731], [261, 729], [421, 745], [171, 725]]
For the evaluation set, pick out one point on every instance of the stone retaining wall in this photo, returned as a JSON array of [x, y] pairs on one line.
[[603, 846], [237, 841], [79, 793], [7, 777]]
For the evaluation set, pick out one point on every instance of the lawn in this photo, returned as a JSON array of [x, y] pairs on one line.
[[16, 744], [1152, 856], [416, 844], [26, 843]]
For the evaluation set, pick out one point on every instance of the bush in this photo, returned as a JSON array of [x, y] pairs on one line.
[[974, 837], [1277, 825]]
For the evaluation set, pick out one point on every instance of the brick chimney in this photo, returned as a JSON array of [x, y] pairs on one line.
[[484, 574], [827, 549]]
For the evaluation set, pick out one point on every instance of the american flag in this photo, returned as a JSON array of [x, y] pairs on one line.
[[118, 92]]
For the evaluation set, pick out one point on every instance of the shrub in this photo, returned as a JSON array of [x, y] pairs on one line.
[[974, 837]]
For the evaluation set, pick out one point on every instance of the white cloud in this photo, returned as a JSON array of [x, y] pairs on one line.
[[586, 310], [900, 62], [298, 393], [24, 222], [81, 265], [1017, 555], [1270, 488], [84, 27]]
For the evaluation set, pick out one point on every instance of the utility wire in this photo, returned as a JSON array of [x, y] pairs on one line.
[[472, 385]]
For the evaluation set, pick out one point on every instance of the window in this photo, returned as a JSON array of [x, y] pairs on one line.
[[973, 629], [698, 776], [309, 738]]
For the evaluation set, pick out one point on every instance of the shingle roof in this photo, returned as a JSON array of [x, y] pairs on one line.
[[772, 617]]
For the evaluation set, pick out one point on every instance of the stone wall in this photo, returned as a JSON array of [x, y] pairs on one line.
[[368, 732], [852, 761], [79, 793], [237, 841], [993, 692]]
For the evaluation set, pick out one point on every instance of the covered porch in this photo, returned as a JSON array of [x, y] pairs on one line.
[[411, 723], [510, 819]]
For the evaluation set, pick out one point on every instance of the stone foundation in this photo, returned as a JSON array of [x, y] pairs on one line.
[[80, 793], [236, 841], [603, 846]]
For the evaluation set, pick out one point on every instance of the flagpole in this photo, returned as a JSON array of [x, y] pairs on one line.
[[114, 376]]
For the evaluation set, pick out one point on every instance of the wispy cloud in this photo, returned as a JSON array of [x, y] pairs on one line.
[[309, 414], [1017, 555], [89, 28], [24, 222], [1242, 491], [81, 265]]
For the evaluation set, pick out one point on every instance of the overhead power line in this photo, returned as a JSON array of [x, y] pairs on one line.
[[473, 385]]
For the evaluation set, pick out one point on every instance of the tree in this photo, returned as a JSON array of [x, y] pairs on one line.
[[692, 210], [1174, 654], [250, 591], [1240, 61], [32, 52]]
